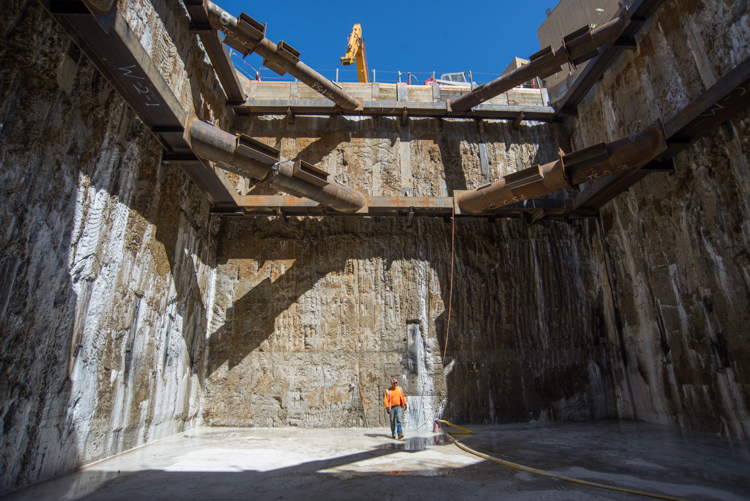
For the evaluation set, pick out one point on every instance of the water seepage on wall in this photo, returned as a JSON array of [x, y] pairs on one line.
[[678, 244], [106, 256]]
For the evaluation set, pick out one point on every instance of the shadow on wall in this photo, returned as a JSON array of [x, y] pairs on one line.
[[252, 317], [526, 342], [324, 148]]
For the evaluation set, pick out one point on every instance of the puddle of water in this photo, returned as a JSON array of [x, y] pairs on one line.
[[415, 443]]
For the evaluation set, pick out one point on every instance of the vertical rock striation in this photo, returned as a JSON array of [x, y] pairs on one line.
[[106, 265], [316, 308], [678, 244]]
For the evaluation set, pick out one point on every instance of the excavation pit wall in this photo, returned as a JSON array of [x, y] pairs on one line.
[[128, 312], [320, 313], [677, 244], [106, 254]]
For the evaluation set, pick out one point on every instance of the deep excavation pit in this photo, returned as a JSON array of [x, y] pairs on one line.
[[147, 293]]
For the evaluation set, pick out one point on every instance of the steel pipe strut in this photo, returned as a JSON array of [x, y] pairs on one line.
[[247, 35], [249, 158], [576, 48], [334, 195], [582, 166], [214, 144]]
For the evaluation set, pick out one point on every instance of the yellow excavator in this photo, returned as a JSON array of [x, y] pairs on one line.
[[355, 51]]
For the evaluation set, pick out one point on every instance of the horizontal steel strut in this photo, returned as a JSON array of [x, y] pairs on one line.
[[608, 169]]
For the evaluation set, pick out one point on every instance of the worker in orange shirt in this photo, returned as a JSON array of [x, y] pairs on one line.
[[395, 403]]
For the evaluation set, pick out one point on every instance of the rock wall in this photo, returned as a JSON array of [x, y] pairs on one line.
[[678, 244], [106, 275], [127, 313], [319, 313]]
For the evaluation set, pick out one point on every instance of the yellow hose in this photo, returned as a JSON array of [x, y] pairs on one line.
[[552, 475], [464, 430]]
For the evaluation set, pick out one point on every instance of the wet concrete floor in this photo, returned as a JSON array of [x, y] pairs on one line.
[[330, 464]]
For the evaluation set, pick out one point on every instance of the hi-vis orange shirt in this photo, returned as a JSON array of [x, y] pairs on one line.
[[394, 398]]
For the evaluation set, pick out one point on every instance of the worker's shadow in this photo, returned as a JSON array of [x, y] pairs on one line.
[[377, 435]]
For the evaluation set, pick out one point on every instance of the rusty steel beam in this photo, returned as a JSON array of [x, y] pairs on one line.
[[727, 97], [583, 166], [247, 35], [576, 48], [305, 180], [640, 11], [216, 52], [372, 206], [719, 103], [399, 206], [116, 51], [396, 109], [228, 150], [252, 159]]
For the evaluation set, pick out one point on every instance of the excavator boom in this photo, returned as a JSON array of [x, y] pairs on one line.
[[356, 53]]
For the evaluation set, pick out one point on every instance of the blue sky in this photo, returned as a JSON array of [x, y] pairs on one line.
[[416, 36]]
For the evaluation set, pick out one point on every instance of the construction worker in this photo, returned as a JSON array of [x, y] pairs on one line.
[[395, 404]]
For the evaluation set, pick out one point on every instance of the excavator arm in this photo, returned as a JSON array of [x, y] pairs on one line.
[[355, 52]]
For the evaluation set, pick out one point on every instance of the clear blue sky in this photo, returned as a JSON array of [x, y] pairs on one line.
[[417, 36]]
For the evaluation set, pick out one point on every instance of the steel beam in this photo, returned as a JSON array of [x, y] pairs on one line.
[[640, 11], [216, 52], [577, 47], [719, 103], [396, 109], [247, 157], [574, 168], [399, 206], [723, 100], [118, 55], [247, 35]]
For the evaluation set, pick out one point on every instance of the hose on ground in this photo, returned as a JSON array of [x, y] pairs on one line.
[[517, 466]]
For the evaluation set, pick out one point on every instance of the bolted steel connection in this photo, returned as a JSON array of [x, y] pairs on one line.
[[249, 158], [583, 166]]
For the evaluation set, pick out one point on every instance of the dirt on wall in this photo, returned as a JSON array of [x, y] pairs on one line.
[[321, 313], [128, 312]]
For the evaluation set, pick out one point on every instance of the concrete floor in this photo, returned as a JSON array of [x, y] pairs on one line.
[[291, 463]]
